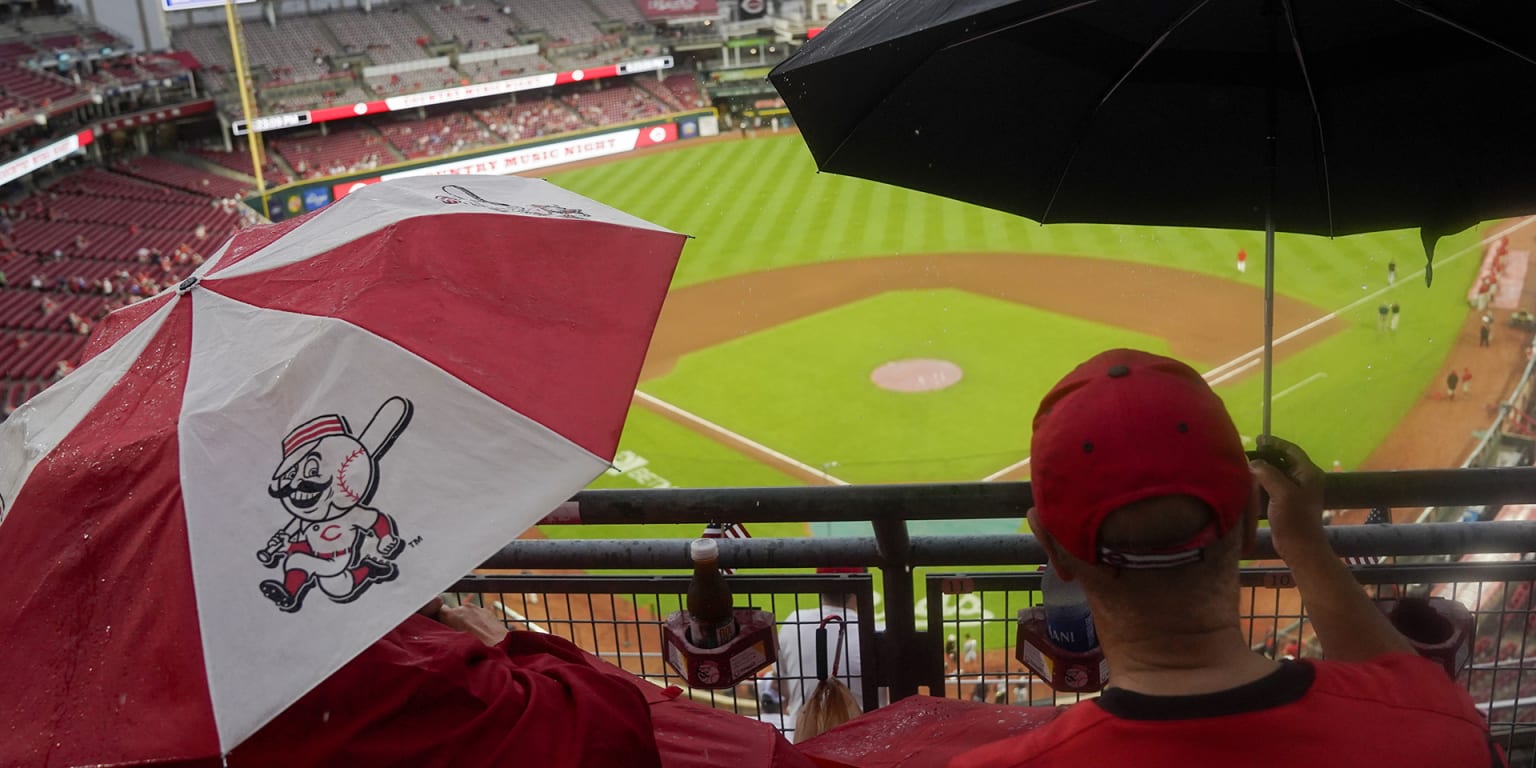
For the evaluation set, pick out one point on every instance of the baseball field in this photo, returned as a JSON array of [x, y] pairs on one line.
[[799, 286]]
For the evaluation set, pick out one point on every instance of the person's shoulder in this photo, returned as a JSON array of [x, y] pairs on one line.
[[1403, 681], [1057, 740]]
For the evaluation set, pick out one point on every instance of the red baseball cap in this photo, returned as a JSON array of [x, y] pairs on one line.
[[1127, 426]]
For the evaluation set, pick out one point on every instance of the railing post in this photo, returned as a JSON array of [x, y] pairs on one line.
[[901, 646]]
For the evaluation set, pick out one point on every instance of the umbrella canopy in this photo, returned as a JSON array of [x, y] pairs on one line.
[[256, 475], [1385, 114]]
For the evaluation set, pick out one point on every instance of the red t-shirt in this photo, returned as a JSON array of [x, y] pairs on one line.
[[1398, 710]]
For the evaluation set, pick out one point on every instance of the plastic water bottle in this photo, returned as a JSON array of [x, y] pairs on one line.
[[1067, 619]]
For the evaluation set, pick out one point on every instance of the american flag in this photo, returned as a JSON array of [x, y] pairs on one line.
[[726, 531], [1378, 516]]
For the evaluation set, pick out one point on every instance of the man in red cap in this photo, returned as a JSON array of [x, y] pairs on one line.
[[1144, 495]]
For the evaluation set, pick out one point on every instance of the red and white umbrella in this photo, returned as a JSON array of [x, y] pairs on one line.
[[254, 476]]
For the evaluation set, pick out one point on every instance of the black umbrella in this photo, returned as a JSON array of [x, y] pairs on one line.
[[1323, 117]]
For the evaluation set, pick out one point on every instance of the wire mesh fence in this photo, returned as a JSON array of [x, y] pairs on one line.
[[619, 619], [965, 628], [979, 661]]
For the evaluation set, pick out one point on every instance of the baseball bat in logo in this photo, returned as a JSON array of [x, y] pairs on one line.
[[326, 481], [455, 194]]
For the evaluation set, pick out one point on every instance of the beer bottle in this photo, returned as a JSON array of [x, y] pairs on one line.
[[712, 618]]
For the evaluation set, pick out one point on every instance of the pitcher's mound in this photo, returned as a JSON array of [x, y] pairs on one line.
[[916, 375]]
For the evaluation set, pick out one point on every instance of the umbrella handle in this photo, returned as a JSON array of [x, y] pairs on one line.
[[821, 653], [821, 646]]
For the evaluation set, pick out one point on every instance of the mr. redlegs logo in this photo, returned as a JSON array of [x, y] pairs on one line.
[[325, 481]]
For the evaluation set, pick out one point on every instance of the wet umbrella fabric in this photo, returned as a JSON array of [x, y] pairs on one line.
[[1387, 114], [255, 476]]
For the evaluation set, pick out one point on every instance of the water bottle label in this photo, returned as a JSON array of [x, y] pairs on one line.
[[1071, 628]]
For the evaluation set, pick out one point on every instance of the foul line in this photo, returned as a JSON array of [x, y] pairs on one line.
[[1005, 470], [1252, 357], [734, 437], [1298, 385]]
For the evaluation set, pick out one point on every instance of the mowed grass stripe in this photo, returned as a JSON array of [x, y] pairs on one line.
[[759, 204], [704, 190], [804, 387]]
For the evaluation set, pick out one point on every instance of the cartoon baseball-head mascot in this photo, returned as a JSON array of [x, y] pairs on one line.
[[333, 538]]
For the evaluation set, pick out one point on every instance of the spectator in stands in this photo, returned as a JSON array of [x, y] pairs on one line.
[[4, 282], [48, 306], [1143, 495]]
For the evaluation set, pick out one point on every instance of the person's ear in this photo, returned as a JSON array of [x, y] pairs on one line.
[[1053, 552], [1251, 521]]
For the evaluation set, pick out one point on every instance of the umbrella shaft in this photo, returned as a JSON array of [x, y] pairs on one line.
[[1271, 162]]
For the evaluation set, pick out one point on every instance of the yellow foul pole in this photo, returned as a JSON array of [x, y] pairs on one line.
[[252, 137]]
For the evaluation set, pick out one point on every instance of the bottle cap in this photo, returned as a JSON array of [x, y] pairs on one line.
[[704, 549]]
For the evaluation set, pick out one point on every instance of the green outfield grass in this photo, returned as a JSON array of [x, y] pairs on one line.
[[759, 204], [802, 388], [658, 454]]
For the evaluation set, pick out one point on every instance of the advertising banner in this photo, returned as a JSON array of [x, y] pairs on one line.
[[544, 155], [316, 198], [663, 9], [340, 190], [48, 155]]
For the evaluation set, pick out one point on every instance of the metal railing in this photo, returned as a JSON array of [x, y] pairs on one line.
[[620, 620], [903, 640]]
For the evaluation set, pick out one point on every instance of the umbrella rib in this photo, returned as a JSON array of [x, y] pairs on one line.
[[1082, 132], [1413, 5], [1317, 113]]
